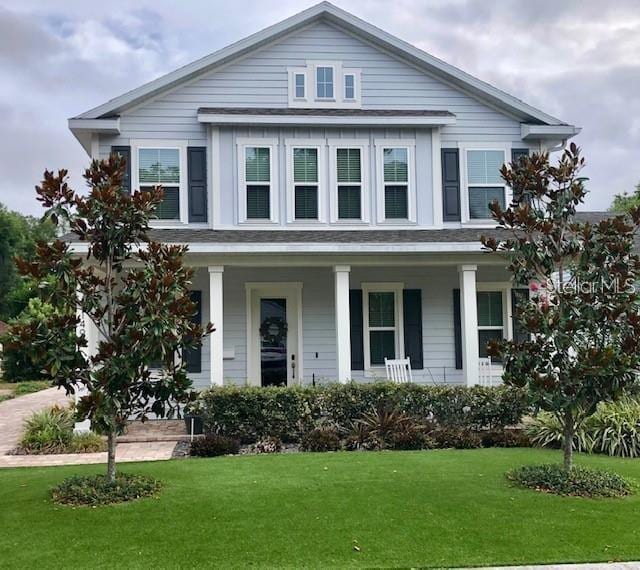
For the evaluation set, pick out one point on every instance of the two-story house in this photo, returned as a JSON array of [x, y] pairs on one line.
[[332, 183]]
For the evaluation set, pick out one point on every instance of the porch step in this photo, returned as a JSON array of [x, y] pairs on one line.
[[154, 430]]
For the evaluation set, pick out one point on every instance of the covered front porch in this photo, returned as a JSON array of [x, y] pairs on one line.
[[305, 319]]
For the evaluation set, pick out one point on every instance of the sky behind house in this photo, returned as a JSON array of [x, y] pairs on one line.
[[578, 60]]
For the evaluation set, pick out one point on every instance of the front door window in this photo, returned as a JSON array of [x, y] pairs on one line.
[[273, 342]]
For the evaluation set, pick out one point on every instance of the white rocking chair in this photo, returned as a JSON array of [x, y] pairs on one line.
[[485, 375], [398, 370]]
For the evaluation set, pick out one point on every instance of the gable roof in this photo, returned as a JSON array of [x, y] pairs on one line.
[[334, 15]]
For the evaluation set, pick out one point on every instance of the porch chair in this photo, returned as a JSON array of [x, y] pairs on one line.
[[485, 376], [398, 370]]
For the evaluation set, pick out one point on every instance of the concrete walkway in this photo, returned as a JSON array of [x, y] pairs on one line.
[[591, 566], [14, 412]]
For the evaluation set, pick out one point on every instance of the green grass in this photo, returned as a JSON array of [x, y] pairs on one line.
[[22, 388], [433, 508]]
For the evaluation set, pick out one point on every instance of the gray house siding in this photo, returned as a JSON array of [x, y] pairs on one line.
[[260, 80]]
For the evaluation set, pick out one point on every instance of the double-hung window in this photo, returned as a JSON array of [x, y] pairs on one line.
[[258, 182], [395, 173], [349, 86], [162, 167], [349, 181], [305, 183], [491, 323], [484, 182], [324, 82], [300, 88], [383, 326]]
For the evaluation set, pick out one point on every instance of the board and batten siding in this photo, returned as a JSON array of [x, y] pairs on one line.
[[318, 319]]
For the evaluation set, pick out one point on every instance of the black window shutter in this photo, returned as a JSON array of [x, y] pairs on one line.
[[193, 356], [357, 329], [516, 155], [412, 312], [450, 185], [517, 296], [457, 328], [197, 166], [124, 152]]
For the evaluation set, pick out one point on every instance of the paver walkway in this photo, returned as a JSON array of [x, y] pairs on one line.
[[14, 412], [590, 566]]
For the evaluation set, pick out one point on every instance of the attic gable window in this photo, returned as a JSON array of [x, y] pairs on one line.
[[324, 82], [300, 85]]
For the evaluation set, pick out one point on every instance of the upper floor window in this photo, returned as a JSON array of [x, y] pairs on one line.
[[349, 86], [396, 183], [300, 85], [349, 180], [162, 166], [305, 181], [324, 82], [258, 179], [484, 183]]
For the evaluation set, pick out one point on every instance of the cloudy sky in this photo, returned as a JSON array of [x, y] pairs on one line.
[[578, 60]]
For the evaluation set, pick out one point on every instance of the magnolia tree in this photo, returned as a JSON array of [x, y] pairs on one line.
[[135, 292], [582, 318]]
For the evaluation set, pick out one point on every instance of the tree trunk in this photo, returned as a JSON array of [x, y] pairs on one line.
[[567, 443], [111, 457]]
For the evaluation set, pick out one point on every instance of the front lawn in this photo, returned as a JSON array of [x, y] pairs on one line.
[[14, 389], [427, 508]]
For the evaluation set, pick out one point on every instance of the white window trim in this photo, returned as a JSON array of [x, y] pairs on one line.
[[396, 289], [464, 179], [507, 322], [293, 100], [320, 145], [357, 90], [410, 145], [337, 83], [338, 101], [181, 146], [242, 144], [363, 145]]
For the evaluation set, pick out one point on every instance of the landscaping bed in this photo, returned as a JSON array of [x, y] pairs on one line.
[[401, 509]]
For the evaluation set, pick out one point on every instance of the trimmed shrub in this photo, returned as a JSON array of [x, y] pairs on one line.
[[268, 445], [579, 481], [447, 437], [505, 438], [213, 445], [324, 438], [250, 413], [48, 431], [86, 443], [96, 490], [410, 438]]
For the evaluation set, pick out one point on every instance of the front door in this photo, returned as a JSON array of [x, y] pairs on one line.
[[274, 345], [273, 342]]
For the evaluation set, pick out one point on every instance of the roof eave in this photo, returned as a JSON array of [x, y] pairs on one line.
[[548, 132], [83, 129], [306, 120]]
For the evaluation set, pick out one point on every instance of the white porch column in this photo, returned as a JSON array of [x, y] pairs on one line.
[[469, 323], [215, 317], [343, 322]]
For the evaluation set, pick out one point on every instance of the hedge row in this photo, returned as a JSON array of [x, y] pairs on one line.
[[250, 413]]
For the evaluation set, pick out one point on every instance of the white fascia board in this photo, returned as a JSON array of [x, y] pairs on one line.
[[106, 126], [347, 21], [306, 120], [444, 247], [548, 132]]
